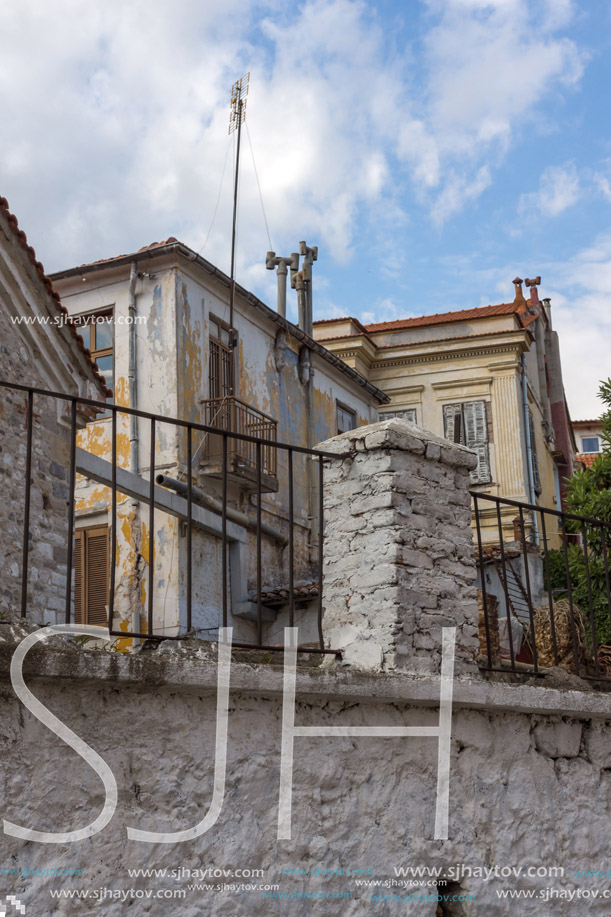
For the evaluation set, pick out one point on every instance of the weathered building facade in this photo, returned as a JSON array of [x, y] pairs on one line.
[[489, 378], [161, 318]]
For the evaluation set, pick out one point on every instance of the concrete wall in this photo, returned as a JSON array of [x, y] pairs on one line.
[[530, 785]]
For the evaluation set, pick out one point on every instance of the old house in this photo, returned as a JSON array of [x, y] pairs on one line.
[[589, 439], [38, 349], [158, 322], [489, 378]]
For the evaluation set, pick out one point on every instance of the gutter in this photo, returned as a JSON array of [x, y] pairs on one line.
[[251, 299]]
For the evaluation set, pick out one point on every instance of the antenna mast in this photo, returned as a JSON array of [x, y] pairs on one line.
[[237, 114]]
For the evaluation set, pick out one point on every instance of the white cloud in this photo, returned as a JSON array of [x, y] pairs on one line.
[[119, 119], [489, 65], [559, 189], [602, 180], [457, 192]]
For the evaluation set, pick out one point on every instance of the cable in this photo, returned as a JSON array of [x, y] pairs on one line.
[[271, 247], [218, 198]]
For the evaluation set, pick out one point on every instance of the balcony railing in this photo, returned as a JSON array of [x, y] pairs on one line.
[[232, 415], [543, 605]]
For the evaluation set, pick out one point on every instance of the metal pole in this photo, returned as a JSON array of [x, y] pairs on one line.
[[233, 231]]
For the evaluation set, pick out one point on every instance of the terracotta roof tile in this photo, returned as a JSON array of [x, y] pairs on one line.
[[505, 308], [272, 597], [22, 238], [587, 458], [145, 248]]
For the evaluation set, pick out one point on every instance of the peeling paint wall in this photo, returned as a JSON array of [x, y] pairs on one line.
[[176, 301]]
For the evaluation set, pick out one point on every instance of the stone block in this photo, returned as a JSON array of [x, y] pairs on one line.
[[558, 739]]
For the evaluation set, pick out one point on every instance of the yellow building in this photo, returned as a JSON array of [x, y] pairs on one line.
[[488, 377]]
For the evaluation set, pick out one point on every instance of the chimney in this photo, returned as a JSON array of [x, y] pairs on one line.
[[533, 284], [517, 282], [282, 263]]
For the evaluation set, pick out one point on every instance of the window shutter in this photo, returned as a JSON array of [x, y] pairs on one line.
[[97, 576], [533, 453], [409, 414], [91, 576], [476, 438], [79, 576], [450, 428]]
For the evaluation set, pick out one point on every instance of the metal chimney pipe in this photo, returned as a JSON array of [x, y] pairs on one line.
[[282, 264]]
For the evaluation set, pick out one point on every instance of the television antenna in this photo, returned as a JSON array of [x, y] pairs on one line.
[[237, 115]]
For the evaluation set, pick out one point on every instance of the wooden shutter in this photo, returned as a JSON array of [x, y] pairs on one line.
[[452, 427], [97, 576], [91, 576], [409, 414], [533, 453], [476, 438]]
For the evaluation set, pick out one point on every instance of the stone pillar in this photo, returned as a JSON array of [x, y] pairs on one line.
[[398, 550]]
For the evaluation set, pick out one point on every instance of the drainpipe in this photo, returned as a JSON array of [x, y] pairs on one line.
[[529, 454], [133, 420], [299, 283], [216, 506], [133, 391]]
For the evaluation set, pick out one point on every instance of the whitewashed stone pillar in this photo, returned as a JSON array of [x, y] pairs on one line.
[[398, 550]]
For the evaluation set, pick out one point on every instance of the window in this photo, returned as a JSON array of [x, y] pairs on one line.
[[220, 367], [590, 444], [408, 414], [467, 423], [346, 418], [97, 333], [533, 453], [91, 575]]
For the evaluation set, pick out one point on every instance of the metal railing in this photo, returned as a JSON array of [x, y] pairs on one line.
[[232, 415], [157, 498], [545, 597]]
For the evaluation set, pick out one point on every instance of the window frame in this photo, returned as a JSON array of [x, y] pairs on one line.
[[482, 473], [221, 383], [347, 410], [92, 320], [388, 415], [586, 439]]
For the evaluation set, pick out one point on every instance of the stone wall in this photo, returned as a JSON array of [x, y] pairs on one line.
[[399, 563], [530, 786], [49, 491]]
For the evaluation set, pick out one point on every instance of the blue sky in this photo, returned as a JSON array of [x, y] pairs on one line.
[[432, 150]]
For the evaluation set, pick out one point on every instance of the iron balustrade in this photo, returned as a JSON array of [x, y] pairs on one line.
[[506, 575], [232, 415], [262, 452]]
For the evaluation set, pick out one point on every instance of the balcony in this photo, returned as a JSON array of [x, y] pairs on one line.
[[235, 416]]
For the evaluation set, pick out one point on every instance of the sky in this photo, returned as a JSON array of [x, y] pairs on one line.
[[432, 149]]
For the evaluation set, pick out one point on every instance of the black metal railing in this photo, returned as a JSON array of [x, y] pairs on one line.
[[544, 588], [231, 414], [157, 498]]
